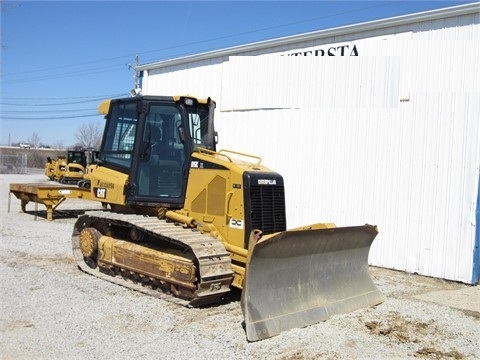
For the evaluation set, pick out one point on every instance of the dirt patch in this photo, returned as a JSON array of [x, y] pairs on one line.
[[400, 329]]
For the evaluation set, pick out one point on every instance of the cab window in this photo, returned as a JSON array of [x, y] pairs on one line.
[[120, 136]]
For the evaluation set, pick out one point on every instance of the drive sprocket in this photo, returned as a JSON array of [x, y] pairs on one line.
[[89, 241]]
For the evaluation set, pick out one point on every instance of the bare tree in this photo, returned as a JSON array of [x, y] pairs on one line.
[[58, 145], [89, 135], [34, 140]]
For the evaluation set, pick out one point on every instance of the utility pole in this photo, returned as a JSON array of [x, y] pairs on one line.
[[136, 77], [136, 86]]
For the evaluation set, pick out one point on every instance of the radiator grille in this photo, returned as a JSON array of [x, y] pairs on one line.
[[268, 208]]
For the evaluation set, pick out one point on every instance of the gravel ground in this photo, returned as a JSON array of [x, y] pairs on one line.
[[50, 309]]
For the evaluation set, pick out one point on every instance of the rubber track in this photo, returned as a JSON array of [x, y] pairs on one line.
[[213, 259]]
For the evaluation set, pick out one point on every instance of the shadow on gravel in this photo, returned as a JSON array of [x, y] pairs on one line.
[[58, 214], [234, 295]]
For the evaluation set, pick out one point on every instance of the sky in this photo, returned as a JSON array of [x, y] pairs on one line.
[[60, 59]]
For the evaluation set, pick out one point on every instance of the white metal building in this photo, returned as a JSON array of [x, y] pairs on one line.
[[375, 123]]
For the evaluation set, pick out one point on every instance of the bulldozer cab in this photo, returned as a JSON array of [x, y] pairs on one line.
[[77, 157], [150, 138]]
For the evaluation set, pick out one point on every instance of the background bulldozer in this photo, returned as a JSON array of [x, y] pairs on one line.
[[70, 169], [186, 222]]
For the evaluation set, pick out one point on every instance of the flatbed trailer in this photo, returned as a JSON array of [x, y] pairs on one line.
[[49, 194]]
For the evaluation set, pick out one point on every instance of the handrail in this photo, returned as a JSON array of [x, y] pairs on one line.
[[223, 151]]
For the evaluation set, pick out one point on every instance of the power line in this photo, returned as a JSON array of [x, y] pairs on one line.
[[69, 100], [42, 111], [58, 104], [11, 114], [47, 118], [85, 72], [95, 97]]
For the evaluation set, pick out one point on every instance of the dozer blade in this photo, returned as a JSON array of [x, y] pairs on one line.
[[298, 278]]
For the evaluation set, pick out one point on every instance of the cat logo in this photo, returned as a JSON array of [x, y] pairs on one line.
[[100, 193]]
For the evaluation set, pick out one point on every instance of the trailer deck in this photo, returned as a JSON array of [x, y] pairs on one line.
[[49, 194]]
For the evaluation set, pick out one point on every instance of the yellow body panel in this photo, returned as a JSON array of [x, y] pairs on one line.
[[74, 171], [153, 262], [50, 169], [104, 107], [107, 185], [213, 199]]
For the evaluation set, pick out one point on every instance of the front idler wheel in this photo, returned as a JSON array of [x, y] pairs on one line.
[[89, 245]]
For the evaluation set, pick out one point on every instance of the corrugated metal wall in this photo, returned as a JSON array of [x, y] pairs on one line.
[[391, 137], [202, 79], [280, 82]]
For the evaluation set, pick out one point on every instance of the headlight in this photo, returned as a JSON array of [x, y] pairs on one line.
[[188, 101]]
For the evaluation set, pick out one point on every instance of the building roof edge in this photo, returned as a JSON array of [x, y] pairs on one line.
[[319, 34]]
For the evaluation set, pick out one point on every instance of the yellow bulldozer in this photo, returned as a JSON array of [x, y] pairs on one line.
[[185, 222], [70, 169]]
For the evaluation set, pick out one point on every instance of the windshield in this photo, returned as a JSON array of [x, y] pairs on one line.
[[120, 135], [200, 123]]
